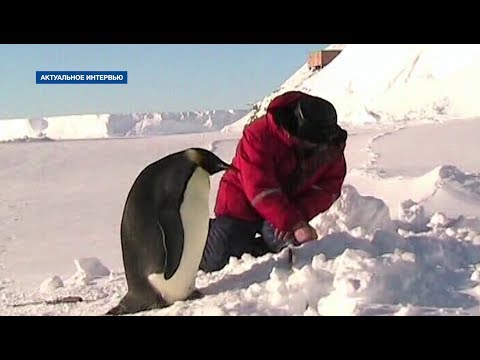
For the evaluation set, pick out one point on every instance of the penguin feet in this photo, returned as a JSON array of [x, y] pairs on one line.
[[116, 311], [132, 304]]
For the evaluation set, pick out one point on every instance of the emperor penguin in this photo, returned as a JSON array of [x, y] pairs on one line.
[[164, 230]]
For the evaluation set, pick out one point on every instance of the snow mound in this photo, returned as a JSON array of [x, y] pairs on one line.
[[446, 189], [476, 274], [438, 220], [413, 214], [451, 189], [420, 271], [358, 277], [391, 83], [463, 228], [51, 284], [88, 269], [354, 213], [407, 310]]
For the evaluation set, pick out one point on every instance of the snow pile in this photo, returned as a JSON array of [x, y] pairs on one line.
[[51, 284], [117, 125], [359, 277], [462, 227], [88, 269], [407, 310], [91, 267], [359, 215], [383, 274], [393, 83], [476, 274], [413, 214], [421, 271], [438, 220]]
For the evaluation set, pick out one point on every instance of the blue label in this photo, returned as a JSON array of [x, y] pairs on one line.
[[81, 77]]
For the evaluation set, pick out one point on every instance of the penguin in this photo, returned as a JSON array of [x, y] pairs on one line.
[[164, 230]]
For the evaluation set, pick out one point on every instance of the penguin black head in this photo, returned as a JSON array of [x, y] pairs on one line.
[[210, 162]]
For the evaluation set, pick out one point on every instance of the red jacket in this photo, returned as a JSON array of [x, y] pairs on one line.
[[268, 160]]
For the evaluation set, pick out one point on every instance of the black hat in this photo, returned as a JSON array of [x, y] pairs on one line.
[[316, 120]]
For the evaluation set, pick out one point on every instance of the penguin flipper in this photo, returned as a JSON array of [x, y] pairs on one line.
[[171, 227]]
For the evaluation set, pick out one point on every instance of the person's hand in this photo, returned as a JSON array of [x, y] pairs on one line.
[[283, 235], [304, 233]]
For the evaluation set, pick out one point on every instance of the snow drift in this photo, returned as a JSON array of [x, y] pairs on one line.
[[351, 212], [96, 126], [446, 188], [391, 83], [368, 265]]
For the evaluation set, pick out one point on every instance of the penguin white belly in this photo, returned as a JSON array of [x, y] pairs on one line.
[[194, 212]]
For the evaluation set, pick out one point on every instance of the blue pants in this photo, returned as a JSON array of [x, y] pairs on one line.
[[229, 237]]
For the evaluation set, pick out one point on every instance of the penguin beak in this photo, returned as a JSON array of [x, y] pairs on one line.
[[220, 166], [230, 167], [226, 167]]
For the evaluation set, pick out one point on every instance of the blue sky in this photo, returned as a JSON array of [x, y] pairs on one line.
[[163, 77]]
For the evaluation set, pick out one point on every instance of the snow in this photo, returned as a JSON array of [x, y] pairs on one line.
[[91, 267], [460, 139], [362, 264], [69, 196], [51, 284], [476, 274], [445, 188], [360, 214], [76, 127], [97, 126], [336, 47], [432, 81], [15, 129], [403, 239], [413, 214], [435, 82]]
